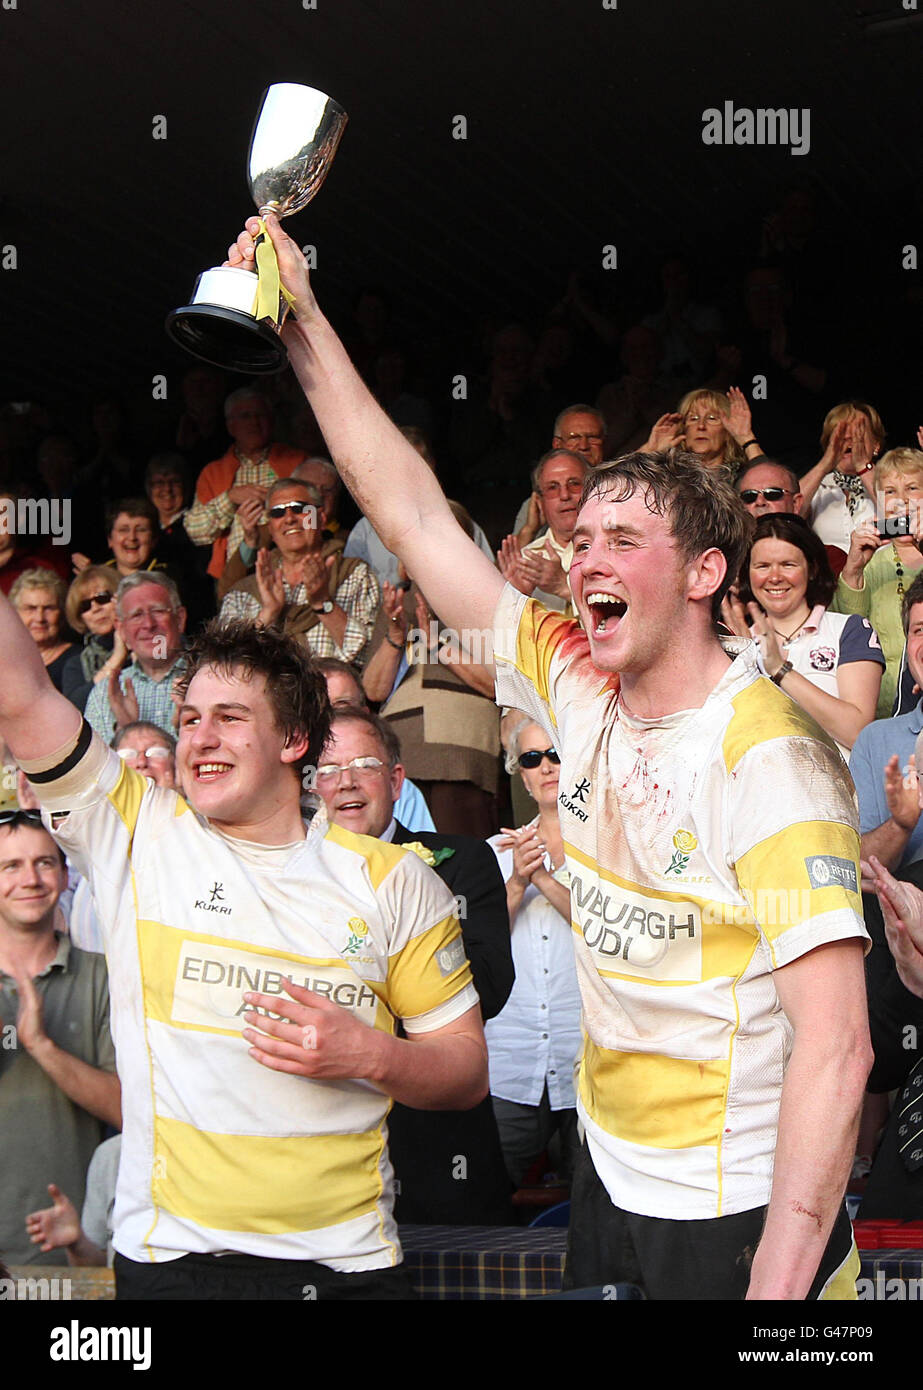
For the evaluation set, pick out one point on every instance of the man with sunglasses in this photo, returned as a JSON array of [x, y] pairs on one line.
[[57, 1062], [151, 620], [769, 487], [304, 585]]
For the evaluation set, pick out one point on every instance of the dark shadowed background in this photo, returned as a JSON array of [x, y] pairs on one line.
[[584, 128]]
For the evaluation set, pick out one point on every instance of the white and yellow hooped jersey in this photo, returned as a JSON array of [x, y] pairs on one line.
[[706, 849], [220, 1153]]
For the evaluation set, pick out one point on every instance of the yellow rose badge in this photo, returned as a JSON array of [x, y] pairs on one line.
[[684, 843], [359, 931], [425, 854]]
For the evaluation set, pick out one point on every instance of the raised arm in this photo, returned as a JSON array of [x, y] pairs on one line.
[[384, 473], [36, 720]]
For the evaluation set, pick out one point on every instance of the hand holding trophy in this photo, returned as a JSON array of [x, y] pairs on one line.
[[235, 315]]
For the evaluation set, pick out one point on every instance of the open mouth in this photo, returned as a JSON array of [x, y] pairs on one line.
[[210, 772], [605, 608]]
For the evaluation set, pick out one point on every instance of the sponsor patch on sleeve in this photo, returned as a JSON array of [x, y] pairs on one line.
[[829, 870], [451, 958]]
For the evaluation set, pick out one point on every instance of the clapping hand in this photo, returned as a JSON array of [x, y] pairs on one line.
[[733, 613], [271, 586], [122, 702], [764, 633], [528, 852], [902, 910], [510, 564], [249, 514], [315, 575]]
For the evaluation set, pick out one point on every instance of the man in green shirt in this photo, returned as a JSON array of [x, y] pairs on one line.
[[58, 1086]]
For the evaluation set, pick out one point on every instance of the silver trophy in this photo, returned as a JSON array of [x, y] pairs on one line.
[[234, 320]]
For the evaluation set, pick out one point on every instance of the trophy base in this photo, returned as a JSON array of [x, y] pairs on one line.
[[228, 338]]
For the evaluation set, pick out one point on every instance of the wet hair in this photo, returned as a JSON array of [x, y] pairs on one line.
[[295, 688], [700, 504], [794, 530]]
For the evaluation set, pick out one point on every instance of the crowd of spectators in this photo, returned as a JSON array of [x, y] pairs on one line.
[[236, 513]]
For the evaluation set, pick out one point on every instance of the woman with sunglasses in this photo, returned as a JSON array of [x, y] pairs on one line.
[[533, 1042], [90, 610], [830, 663]]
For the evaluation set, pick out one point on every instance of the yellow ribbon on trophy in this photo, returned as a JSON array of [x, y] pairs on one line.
[[269, 286]]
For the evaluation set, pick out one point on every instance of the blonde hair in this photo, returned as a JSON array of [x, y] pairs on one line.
[[734, 455], [92, 580], [844, 411], [899, 461]]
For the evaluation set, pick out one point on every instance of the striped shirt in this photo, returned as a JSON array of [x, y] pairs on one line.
[[155, 700], [213, 516], [220, 1153], [359, 596], [706, 849]]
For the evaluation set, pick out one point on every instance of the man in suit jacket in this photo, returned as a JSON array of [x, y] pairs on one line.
[[449, 1165]]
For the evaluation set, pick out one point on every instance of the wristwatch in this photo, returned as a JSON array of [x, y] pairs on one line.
[[325, 607]]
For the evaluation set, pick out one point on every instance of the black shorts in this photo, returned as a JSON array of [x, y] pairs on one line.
[[667, 1259], [235, 1277]]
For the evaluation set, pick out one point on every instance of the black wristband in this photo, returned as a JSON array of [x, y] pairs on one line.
[[748, 443]]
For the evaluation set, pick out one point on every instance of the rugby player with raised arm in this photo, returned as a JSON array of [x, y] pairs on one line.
[[712, 843], [258, 970]]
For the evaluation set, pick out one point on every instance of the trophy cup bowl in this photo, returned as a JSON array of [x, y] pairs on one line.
[[295, 137]]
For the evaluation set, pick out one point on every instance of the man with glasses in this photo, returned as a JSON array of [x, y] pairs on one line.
[[151, 621], [581, 429], [540, 568], [57, 1062], [146, 749], [768, 487], [305, 585], [360, 779]]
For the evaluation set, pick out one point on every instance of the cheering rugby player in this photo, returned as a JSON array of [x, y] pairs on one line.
[[712, 842], [256, 970]]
